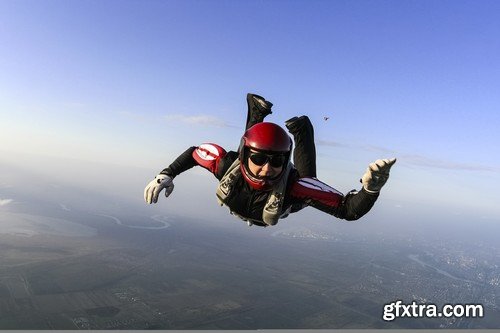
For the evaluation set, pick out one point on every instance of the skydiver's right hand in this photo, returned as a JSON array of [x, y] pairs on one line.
[[154, 188], [377, 174]]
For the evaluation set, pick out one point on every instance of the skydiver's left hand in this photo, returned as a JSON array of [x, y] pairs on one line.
[[153, 189], [377, 174]]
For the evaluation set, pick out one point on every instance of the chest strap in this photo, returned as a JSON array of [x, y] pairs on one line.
[[272, 211]]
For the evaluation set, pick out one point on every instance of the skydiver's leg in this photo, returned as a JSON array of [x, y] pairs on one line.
[[258, 109], [304, 153]]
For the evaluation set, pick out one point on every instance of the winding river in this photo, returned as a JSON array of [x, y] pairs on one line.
[[158, 218]]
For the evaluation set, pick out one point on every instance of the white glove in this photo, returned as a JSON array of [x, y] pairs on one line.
[[154, 188], [377, 174]]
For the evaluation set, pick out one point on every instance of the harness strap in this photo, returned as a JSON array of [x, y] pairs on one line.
[[272, 211]]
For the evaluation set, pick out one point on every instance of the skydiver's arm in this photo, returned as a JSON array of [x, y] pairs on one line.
[[355, 205], [327, 199], [182, 163], [352, 206], [208, 155], [164, 180]]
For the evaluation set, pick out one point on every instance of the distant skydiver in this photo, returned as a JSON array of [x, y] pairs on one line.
[[260, 185]]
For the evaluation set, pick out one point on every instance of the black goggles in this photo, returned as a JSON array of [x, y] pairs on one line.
[[260, 159]]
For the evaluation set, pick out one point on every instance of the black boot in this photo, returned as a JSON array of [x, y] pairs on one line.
[[258, 109], [295, 124], [304, 153]]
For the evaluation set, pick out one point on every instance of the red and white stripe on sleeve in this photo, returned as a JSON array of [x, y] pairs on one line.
[[311, 189], [208, 156]]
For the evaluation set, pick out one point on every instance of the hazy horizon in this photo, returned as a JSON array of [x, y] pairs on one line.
[[97, 97]]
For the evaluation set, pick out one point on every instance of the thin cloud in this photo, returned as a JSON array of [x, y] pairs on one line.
[[422, 161], [354, 146], [202, 120], [5, 202], [413, 160], [333, 144]]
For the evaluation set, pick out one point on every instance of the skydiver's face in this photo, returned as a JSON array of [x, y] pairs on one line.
[[265, 166]]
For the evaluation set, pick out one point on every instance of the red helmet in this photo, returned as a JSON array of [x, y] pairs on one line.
[[268, 138]]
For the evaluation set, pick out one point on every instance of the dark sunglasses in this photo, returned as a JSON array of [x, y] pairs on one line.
[[260, 159]]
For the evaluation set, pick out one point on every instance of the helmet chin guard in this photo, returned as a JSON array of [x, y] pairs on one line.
[[268, 138]]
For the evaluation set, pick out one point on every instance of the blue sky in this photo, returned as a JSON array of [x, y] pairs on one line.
[[134, 83]]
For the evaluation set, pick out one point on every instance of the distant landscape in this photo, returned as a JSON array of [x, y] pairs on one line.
[[72, 258], [98, 97], [65, 268]]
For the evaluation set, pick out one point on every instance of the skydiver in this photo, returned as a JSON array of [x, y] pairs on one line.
[[260, 185]]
